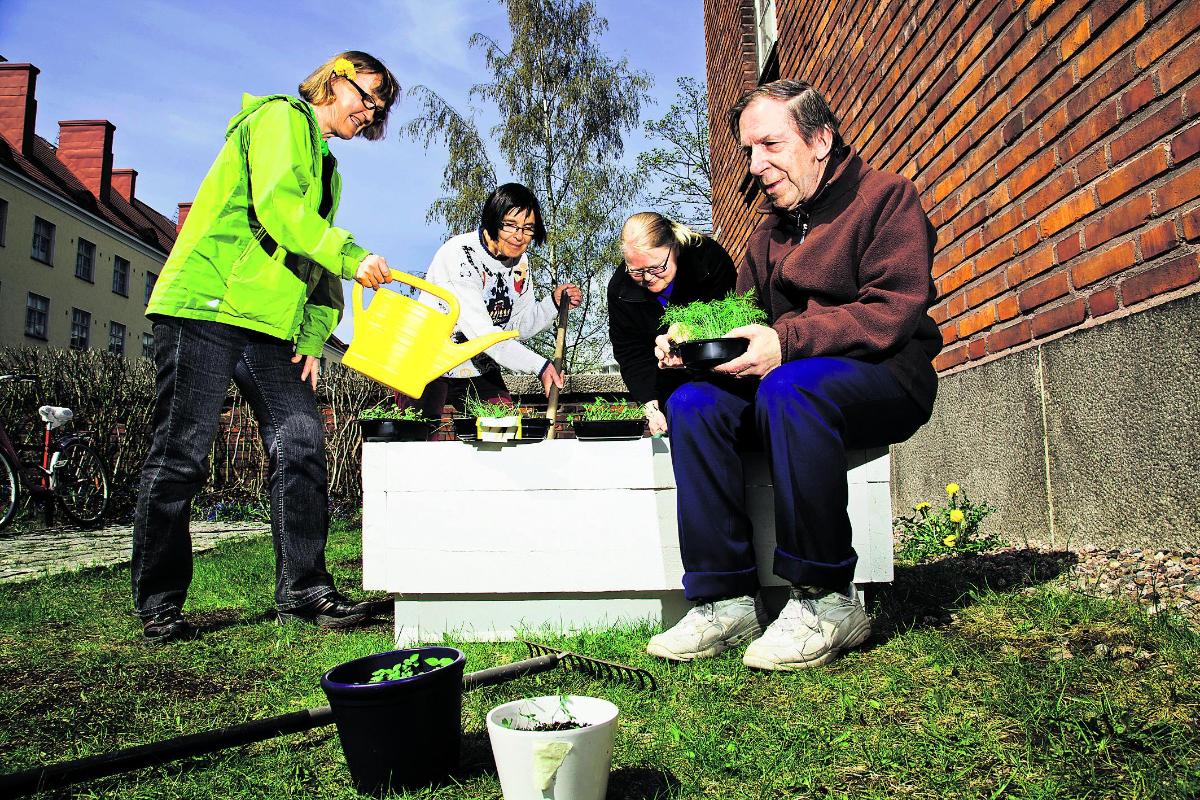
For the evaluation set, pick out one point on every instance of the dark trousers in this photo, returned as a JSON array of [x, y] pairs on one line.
[[195, 361], [488, 387], [805, 415]]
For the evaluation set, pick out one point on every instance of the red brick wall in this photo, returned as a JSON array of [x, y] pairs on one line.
[[1053, 144]]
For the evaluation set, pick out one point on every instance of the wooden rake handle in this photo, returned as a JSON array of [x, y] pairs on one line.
[[560, 347]]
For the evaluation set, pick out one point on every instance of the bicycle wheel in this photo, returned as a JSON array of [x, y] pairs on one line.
[[9, 489], [80, 482]]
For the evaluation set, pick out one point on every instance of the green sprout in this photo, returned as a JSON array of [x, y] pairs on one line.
[[601, 409], [714, 318]]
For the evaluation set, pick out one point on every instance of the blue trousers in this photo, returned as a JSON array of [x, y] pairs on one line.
[[805, 415], [195, 362]]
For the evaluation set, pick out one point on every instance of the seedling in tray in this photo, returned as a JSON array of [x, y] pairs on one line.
[[413, 665]]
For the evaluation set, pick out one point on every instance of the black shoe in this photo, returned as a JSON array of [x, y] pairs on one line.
[[330, 611], [168, 626]]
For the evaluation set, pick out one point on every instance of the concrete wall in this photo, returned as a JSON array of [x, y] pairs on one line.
[[1091, 438]]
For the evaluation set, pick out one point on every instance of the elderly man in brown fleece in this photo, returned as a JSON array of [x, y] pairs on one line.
[[841, 264]]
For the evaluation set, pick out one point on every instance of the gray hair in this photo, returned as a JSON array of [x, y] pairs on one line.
[[810, 111]]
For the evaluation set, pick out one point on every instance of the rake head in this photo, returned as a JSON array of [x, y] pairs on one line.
[[595, 667]]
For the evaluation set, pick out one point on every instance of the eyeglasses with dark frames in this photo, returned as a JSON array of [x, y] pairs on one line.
[[512, 228], [369, 102], [653, 271]]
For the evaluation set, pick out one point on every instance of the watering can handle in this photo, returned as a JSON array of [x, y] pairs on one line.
[[411, 280]]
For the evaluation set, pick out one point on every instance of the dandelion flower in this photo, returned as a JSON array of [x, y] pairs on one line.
[[956, 516], [950, 540], [952, 489], [920, 506], [344, 68]]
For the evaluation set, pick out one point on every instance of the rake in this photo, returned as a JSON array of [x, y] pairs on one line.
[[50, 776]]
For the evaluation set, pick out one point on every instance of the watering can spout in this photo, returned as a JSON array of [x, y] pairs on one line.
[[405, 344], [458, 353]]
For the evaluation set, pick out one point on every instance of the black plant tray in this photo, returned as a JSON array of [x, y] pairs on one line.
[[702, 354], [395, 430], [600, 429], [533, 429]]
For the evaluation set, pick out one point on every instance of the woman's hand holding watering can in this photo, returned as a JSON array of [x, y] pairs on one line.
[[373, 272]]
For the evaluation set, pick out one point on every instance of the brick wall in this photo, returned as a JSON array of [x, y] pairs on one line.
[[1053, 144]]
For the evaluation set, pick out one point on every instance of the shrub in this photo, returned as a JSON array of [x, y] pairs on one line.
[[947, 529]]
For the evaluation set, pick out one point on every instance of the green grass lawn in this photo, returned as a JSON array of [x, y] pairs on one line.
[[1030, 691]]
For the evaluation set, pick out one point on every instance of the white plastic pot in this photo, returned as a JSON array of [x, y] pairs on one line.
[[553, 765]]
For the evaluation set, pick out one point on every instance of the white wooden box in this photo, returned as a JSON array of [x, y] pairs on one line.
[[484, 540]]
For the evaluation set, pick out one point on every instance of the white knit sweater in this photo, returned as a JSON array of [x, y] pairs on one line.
[[494, 295]]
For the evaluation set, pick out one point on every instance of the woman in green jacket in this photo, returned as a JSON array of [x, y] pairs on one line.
[[250, 292]]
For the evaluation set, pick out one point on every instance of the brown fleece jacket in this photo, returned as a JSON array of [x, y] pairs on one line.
[[849, 274]]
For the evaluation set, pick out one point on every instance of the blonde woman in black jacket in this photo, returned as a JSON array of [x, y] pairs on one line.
[[665, 263]]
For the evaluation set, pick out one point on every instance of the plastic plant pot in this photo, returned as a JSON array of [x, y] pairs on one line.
[[401, 733], [563, 764], [702, 354], [606, 429], [533, 429], [395, 430]]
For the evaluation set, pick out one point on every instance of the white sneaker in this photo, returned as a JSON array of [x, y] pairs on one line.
[[709, 629], [810, 631]]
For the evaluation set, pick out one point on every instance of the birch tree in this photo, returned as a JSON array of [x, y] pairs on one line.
[[677, 173]]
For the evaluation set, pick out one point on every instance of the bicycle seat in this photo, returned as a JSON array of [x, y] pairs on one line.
[[55, 416]]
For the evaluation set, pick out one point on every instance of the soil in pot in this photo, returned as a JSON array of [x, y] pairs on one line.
[[395, 430], [701, 354]]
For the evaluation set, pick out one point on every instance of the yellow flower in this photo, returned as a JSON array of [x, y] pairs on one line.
[[920, 506], [344, 68], [956, 516], [950, 540], [952, 489]]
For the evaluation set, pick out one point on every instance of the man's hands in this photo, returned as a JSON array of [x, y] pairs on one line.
[[763, 355], [311, 369], [373, 272], [571, 290]]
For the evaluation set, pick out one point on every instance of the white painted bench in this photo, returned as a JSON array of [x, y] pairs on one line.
[[482, 541]]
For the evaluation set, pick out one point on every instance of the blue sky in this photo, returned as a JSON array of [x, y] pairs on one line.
[[170, 75]]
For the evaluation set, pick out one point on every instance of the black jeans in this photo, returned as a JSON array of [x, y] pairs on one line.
[[195, 361]]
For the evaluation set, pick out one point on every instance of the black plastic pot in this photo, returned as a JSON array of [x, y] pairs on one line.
[[533, 429], [400, 733], [395, 430], [598, 429], [708, 353]]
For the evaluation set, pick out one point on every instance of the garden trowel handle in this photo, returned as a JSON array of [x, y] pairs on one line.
[[508, 672], [560, 347]]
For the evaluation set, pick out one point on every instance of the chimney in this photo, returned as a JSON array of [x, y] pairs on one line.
[[18, 107], [123, 181], [85, 147], [184, 208]]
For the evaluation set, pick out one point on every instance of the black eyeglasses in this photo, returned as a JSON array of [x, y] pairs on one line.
[[655, 271], [369, 102], [512, 228]]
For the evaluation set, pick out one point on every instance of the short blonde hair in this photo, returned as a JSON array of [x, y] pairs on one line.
[[647, 230], [317, 88]]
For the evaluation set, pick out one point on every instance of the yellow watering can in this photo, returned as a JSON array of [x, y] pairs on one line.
[[405, 344]]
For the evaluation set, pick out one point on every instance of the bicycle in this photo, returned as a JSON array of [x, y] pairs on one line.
[[71, 474]]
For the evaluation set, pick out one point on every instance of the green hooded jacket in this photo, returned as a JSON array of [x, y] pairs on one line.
[[254, 250]]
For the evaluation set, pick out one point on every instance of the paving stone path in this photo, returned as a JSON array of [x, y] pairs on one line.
[[30, 553]]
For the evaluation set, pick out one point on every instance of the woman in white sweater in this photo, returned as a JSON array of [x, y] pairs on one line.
[[488, 271]]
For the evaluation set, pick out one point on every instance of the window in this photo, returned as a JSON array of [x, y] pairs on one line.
[[116, 338], [765, 35], [120, 276], [148, 345], [151, 279], [85, 261], [81, 326], [43, 241], [3, 220], [37, 314]]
